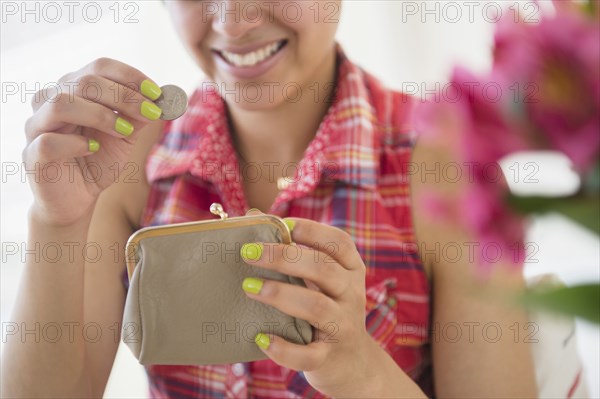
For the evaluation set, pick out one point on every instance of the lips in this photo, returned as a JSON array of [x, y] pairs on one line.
[[251, 61], [252, 55]]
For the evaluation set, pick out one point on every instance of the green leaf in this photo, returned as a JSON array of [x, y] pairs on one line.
[[585, 211], [581, 300], [534, 204], [590, 7], [591, 180], [582, 209]]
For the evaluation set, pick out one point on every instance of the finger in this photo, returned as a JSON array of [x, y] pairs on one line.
[[53, 116], [118, 97], [125, 75], [254, 212], [108, 68], [328, 239], [49, 147], [300, 302], [294, 356], [299, 261]]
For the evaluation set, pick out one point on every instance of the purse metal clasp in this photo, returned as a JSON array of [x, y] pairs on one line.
[[217, 209]]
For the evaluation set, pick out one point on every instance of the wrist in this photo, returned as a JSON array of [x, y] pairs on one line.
[[361, 376], [370, 377], [40, 219], [377, 375]]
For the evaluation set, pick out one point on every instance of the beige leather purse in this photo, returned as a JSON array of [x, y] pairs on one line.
[[185, 303]]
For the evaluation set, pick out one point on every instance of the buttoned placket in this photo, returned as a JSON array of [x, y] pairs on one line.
[[216, 149], [237, 380]]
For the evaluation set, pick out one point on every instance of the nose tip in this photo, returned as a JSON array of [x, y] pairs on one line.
[[235, 18]]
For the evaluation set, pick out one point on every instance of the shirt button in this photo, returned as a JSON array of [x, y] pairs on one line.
[[238, 369]]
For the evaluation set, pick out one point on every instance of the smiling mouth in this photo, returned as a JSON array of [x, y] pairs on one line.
[[252, 58]]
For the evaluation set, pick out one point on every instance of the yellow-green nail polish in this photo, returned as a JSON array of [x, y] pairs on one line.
[[262, 340], [150, 89], [252, 285], [123, 127], [290, 223], [93, 145], [151, 110], [251, 251]]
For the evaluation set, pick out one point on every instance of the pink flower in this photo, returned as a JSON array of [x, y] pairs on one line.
[[480, 137], [547, 96], [510, 32], [552, 70], [499, 230], [488, 135], [473, 113]]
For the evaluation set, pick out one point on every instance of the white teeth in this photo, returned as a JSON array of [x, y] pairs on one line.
[[252, 58]]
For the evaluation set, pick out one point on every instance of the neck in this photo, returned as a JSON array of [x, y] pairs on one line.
[[282, 134]]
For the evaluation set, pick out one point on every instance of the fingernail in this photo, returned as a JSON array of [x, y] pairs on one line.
[[123, 127], [252, 285], [150, 89], [262, 340], [290, 223], [93, 145], [151, 110], [251, 251]]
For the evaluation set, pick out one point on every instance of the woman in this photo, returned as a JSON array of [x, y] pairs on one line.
[[283, 93]]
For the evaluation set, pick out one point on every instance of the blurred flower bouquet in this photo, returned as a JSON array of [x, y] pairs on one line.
[[542, 93]]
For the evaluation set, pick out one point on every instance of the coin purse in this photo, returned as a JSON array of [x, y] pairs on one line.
[[185, 304]]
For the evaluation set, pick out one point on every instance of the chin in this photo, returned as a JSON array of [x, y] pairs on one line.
[[249, 101], [266, 93]]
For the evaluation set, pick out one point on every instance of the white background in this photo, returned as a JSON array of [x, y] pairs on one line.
[[382, 36]]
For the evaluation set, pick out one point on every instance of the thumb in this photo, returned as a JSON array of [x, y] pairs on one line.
[[49, 147], [254, 212]]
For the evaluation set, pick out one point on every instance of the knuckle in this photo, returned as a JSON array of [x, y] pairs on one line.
[[128, 95], [346, 238], [25, 155], [345, 242], [274, 291], [29, 123], [103, 118], [85, 81], [320, 306], [36, 99], [327, 271], [66, 77], [45, 146], [60, 104], [100, 64]]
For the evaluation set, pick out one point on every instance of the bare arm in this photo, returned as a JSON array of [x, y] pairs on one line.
[[475, 353], [50, 293], [116, 216], [59, 296], [82, 294]]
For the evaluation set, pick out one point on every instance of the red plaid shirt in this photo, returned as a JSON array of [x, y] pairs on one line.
[[351, 177]]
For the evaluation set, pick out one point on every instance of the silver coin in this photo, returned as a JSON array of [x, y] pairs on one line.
[[173, 101]]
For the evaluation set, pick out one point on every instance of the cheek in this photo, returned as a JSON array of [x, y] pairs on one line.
[[306, 12], [314, 41], [314, 23], [193, 29]]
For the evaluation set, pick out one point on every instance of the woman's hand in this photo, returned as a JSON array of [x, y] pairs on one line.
[[81, 134], [334, 303]]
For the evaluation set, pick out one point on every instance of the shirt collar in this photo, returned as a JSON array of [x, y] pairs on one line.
[[345, 147]]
